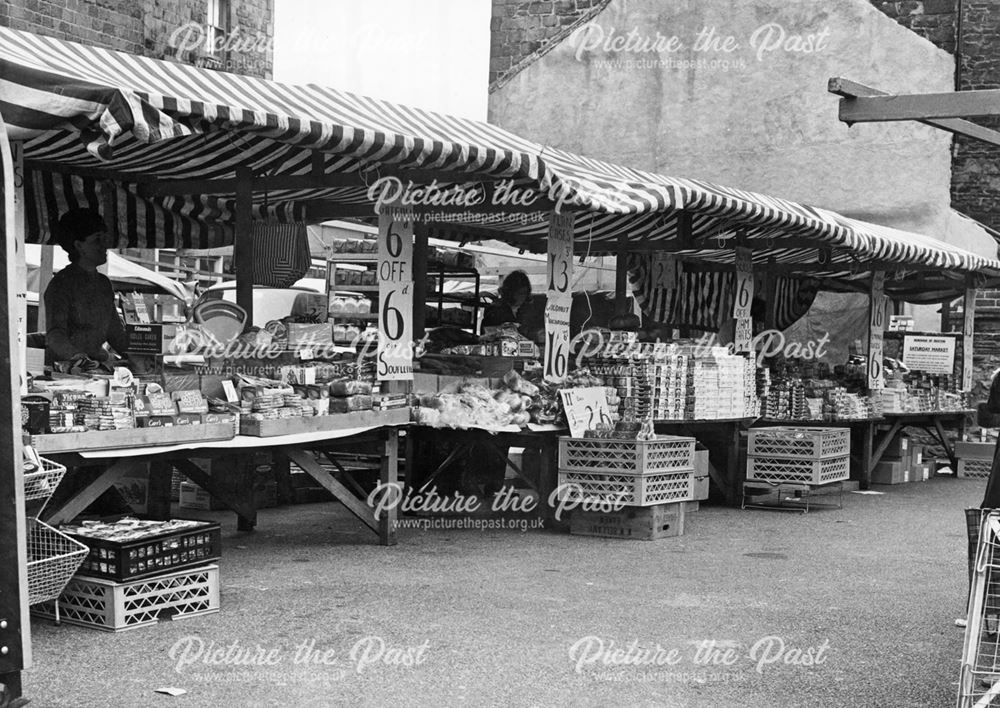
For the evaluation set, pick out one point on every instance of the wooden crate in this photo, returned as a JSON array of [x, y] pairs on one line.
[[136, 437], [115, 607], [318, 423], [648, 523]]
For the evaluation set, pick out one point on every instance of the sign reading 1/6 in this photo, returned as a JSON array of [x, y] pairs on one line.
[[395, 316], [559, 297]]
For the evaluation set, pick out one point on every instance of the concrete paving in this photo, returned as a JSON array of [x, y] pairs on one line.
[[725, 615]]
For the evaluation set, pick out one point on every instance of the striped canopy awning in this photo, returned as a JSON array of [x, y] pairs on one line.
[[99, 125]]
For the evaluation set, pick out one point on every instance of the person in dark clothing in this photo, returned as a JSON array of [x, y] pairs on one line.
[[80, 302], [515, 291]]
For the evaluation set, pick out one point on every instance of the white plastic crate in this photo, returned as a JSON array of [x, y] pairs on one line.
[[115, 607], [975, 468], [799, 443], [627, 489], [777, 469], [666, 453]]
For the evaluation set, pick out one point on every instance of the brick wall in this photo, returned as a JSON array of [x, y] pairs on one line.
[[153, 28], [934, 20], [523, 31]]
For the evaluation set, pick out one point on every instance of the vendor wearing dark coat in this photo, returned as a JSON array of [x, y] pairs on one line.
[[515, 291], [80, 302]]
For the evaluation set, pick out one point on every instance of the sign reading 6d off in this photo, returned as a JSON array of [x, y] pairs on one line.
[[744, 284], [394, 359]]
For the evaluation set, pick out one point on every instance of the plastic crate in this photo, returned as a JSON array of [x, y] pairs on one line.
[[975, 468], [799, 443], [53, 558], [665, 454], [627, 489], [152, 555], [115, 607], [41, 484], [781, 469]]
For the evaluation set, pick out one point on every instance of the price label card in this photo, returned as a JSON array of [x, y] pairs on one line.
[[877, 321], [585, 409], [664, 271], [743, 335], [559, 274], [394, 358], [744, 283]]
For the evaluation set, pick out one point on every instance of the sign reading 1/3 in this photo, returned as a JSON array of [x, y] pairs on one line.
[[394, 360], [876, 331], [559, 298]]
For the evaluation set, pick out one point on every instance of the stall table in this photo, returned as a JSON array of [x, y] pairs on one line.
[[931, 422], [722, 439], [122, 461]]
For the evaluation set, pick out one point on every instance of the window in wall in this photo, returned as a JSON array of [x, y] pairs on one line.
[[217, 25]]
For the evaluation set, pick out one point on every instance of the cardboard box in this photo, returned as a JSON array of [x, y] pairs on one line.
[[194, 497], [700, 463], [899, 446], [300, 334], [643, 523], [890, 472], [425, 383], [34, 360], [701, 488], [917, 453]]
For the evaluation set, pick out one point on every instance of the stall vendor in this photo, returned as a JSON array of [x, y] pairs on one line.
[[80, 302], [515, 291]]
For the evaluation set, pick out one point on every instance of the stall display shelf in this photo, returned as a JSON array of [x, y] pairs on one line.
[[115, 607], [135, 437], [319, 423]]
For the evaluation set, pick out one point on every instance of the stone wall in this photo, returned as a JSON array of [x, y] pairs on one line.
[[523, 31], [161, 29]]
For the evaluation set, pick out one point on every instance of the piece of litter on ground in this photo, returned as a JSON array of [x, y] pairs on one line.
[[961, 622], [171, 691], [865, 491]]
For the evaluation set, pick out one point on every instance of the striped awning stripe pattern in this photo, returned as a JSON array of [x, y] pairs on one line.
[[91, 113]]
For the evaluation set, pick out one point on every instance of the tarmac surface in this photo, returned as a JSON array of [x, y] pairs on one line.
[[851, 607]]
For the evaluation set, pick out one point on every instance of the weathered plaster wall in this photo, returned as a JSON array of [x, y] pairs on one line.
[[734, 105]]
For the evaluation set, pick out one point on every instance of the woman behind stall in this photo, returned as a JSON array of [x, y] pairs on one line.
[[514, 292]]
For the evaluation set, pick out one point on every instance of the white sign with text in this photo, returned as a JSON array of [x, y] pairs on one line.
[[585, 409], [559, 296], [932, 355], [394, 360]]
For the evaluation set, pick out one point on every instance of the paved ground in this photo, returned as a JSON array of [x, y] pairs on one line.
[[870, 593]]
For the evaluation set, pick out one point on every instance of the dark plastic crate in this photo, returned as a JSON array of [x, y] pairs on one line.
[[152, 555]]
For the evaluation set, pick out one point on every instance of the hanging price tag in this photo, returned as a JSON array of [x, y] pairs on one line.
[[664, 270], [877, 320], [744, 283], [394, 359], [559, 298], [968, 330]]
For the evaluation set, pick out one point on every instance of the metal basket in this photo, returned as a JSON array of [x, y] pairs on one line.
[[40, 485], [53, 558], [978, 683]]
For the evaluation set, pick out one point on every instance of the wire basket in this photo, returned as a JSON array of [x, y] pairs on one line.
[[978, 677], [40, 485], [53, 558]]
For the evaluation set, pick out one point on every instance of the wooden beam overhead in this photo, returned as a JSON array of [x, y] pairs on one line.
[[920, 107], [849, 90]]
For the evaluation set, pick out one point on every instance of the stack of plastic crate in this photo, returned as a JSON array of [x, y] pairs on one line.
[[626, 488], [813, 456], [137, 573]]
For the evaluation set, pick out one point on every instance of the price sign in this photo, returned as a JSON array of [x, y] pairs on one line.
[[664, 271], [559, 299], [968, 330], [743, 335], [875, 332], [394, 358], [585, 409], [744, 284]]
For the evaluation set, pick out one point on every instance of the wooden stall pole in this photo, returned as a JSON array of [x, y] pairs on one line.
[[968, 335], [420, 233], [15, 629], [20, 265], [243, 241], [621, 275], [770, 296], [44, 278]]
